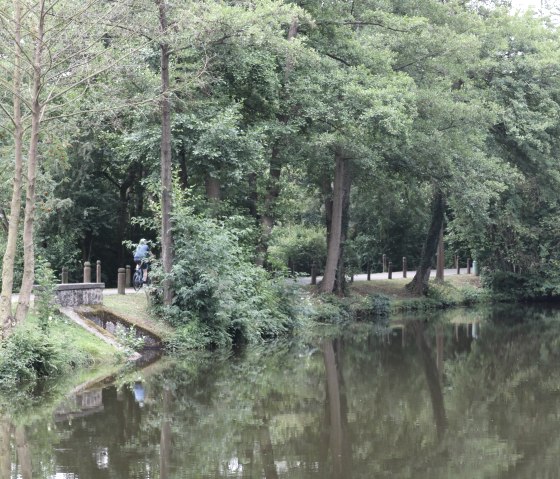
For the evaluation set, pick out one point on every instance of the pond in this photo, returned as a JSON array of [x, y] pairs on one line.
[[467, 394]]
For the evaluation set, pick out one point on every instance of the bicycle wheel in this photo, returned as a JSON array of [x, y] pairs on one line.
[[137, 280]]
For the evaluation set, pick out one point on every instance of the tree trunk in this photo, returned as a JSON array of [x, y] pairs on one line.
[[29, 219], [340, 279], [333, 250], [271, 195], [328, 200], [419, 283], [212, 188], [166, 167], [273, 190], [6, 319], [183, 174]]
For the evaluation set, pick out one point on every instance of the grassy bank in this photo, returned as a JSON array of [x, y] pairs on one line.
[[39, 349], [370, 299]]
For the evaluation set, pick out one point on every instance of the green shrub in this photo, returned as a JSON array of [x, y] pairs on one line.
[[219, 289], [379, 305], [508, 286], [27, 355], [297, 246]]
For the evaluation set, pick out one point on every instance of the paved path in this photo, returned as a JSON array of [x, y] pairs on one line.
[[380, 276], [301, 280]]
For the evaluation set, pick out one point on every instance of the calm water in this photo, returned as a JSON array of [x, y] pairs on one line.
[[467, 395]]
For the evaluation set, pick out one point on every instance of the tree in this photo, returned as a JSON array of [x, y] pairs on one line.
[[58, 48]]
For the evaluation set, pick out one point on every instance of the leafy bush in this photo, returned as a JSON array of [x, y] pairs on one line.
[[297, 246], [379, 305], [504, 285], [221, 297], [29, 354]]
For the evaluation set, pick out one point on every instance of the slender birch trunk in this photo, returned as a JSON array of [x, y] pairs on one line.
[[6, 319], [29, 219]]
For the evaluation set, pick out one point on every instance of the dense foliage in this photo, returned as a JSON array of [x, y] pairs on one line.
[[319, 135]]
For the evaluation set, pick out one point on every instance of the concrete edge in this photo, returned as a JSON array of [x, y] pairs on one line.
[[76, 318]]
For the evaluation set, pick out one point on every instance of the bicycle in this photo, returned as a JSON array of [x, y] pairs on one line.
[[138, 277]]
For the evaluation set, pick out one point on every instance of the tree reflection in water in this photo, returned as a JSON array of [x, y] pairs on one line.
[[357, 406]]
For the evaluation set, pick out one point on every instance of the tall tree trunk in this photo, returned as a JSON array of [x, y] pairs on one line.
[[212, 188], [275, 171], [326, 188], [166, 167], [29, 219], [419, 283], [121, 225], [7, 286], [270, 197], [333, 250], [183, 173], [340, 279]]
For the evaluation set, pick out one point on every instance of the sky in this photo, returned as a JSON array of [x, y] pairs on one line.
[[524, 4]]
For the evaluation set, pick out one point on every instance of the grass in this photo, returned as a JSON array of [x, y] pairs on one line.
[[80, 339], [395, 288], [134, 308]]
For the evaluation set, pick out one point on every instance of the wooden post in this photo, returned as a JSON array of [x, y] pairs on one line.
[[313, 273], [120, 281], [128, 277], [468, 266], [369, 271], [87, 272], [457, 264], [404, 267], [390, 270], [98, 271], [384, 263], [64, 274]]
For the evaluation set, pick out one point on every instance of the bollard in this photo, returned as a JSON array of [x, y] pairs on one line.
[[120, 280], [468, 266], [404, 267], [98, 271], [457, 264], [384, 263], [369, 272], [313, 274], [87, 272], [476, 268], [128, 277], [64, 274], [390, 270]]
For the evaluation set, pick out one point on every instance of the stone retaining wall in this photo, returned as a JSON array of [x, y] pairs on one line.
[[76, 294]]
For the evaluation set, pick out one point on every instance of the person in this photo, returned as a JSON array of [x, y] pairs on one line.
[[141, 258]]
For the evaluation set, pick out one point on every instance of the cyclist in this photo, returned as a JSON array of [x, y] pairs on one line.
[[141, 256]]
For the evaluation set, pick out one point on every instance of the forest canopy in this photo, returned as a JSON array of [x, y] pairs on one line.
[[251, 140]]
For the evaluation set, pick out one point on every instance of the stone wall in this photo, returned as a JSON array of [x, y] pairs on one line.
[[76, 294]]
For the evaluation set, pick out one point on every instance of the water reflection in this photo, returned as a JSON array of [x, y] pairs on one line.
[[434, 399]]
